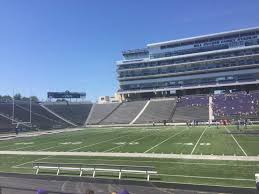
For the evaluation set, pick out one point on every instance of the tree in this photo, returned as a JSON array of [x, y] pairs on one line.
[[17, 96], [25, 98], [6, 98], [34, 99]]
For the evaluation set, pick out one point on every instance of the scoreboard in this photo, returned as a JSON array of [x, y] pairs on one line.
[[66, 94]]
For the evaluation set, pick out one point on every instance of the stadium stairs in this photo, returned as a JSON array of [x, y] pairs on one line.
[[101, 111], [89, 115], [125, 113], [71, 112], [65, 120], [158, 110], [40, 118], [140, 113]]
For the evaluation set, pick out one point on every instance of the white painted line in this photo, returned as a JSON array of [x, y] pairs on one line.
[[130, 142], [102, 141], [24, 147], [158, 162], [236, 141], [136, 155], [48, 148], [97, 143], [7, 146], [164, 140], [199, 140], [112, 148], [31, 161], [89, 132]]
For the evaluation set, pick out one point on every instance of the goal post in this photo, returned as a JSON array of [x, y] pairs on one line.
[[16, 121]]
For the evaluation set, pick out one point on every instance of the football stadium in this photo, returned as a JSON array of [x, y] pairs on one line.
[[185, 117]]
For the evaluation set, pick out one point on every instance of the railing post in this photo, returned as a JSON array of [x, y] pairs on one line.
[[94, 173], [58, 170], [148, 176], [38, 168], [81, 172], [120, 174]]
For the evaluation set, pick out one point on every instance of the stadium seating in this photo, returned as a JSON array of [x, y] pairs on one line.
[[5, 124], [157, 111], [236, 105], [101, 111], [40, 117], [125, 113], [190, 108], [74, 112]]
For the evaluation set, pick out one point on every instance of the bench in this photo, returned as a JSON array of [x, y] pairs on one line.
[[94, 168]]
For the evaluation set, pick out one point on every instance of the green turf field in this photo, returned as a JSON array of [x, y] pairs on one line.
[[170, 139]]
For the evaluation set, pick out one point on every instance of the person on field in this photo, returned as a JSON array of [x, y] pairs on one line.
[[16, 130]]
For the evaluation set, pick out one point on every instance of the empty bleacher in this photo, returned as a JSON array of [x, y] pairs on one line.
[[5, 124], [190, 113], [41, 118], [74, 112], [157, 111], [190, 108], [125, 113], [101, 111]]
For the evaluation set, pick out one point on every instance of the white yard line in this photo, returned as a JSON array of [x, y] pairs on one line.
[[129, 142], [236, 141], [99, 132], [112, 148], [103, 141], [199, 140], [17, 166], [48, 148], [96, 143], [7, 146], [24, 147], [164, 140]]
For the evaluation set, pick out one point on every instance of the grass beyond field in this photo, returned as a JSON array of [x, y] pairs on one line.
[[193, 140]]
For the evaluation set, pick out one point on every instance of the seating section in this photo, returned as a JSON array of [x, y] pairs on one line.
[[41, 118], [191, 108], [236, 105], [157, 111], [125, 113], [74, 112], [100, 112], [190, 113], [6, 124]]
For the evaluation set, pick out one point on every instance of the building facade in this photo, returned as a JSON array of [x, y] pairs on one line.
[[202, 64]]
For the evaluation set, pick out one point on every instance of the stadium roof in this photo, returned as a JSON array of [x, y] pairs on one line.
[[201, 37]]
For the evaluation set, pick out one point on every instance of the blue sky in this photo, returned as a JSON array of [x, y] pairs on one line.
[[57, 45]]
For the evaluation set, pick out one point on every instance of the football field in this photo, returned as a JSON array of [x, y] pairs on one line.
[[180, 140]]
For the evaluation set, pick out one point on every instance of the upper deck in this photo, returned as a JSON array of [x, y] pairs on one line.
[[199, 44]]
